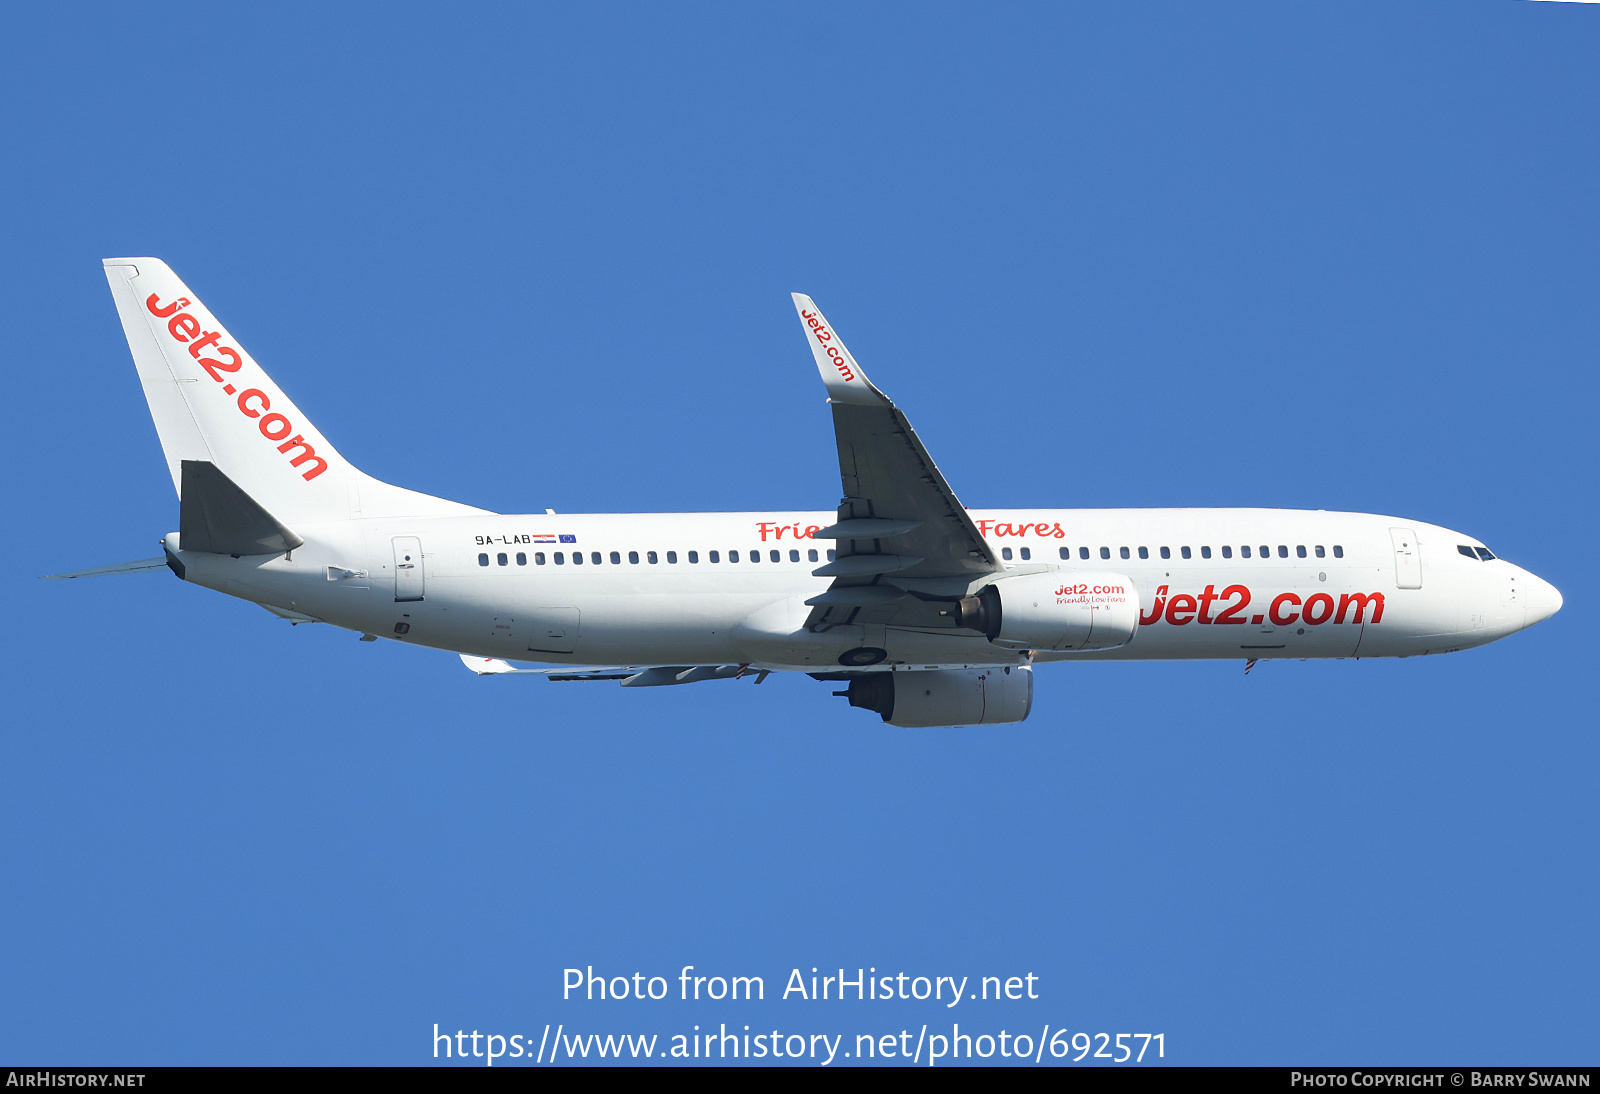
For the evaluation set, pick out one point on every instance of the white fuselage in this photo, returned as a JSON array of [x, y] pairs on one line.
[[1314, 584]]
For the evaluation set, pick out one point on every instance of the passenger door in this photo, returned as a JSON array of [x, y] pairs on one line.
[[408, 575], [1407, 559]]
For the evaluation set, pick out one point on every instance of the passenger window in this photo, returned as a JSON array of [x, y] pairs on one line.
[[755, 556], [694, 557], [650, 557], [1066, 552], [538, 558], [1283, 552], [1205, 552], [733, 556], [1185, 552], [1105, 552], [501, 558], [672, 558], [1485, 554], [1144, 552], [832, 555], [561, 559], [522, 559], [1244, 552], [811, 555], [594, 557], [1266, 552], [775, 556], [483, 560], [616, 558], [633, 557], [1123, 552], [1005, 553], [1227, 552], [1300, 551], [1025, 553], [713, 556], [1322, 552], [794, 556], [1338, 551], [577, 558], [1083, 552], [1166, 552]]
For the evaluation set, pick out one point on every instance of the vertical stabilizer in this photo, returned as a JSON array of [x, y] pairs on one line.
[[211, 402]]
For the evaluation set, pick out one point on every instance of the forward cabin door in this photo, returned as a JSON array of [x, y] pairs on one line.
[[408, 576], [1407, 559]]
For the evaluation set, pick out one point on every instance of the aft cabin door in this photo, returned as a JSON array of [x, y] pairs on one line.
[[408, 577], [1407, 560]]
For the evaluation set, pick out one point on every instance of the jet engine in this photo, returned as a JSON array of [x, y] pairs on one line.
[[945, 697], [1074, 610]]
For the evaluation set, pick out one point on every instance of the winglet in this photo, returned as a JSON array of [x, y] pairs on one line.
[[843, 378]]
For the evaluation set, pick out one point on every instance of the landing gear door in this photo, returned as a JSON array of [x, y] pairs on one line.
[[1407, 559], [408, 575]]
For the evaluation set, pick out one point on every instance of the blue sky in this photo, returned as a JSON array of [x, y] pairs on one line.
[[1333, 257]]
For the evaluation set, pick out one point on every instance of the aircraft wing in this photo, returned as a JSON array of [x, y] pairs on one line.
[[631, 676], [898, 520]]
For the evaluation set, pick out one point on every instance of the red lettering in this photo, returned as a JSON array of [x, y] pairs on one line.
[[1229, 615], [1154, 615], [1207, 598], [268, 433], [812, 530], [183, 326], [1059, 534], [1003, 530], [258, 393], [306, 453], [212, 365], [984, 526], [765, 527], [1360, 601], [1275, 612], [162, 313], [209, 338], [1319, 609], [1183, 603]]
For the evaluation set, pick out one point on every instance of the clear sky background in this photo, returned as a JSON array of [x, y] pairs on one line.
[[1317, 256]]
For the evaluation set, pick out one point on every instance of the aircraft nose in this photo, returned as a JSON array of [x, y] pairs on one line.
[[1544, 600]]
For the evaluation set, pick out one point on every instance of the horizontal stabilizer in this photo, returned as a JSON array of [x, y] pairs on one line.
[[216, 516], [120, 568]]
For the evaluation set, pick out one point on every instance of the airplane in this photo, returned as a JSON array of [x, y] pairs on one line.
[[927, 613]]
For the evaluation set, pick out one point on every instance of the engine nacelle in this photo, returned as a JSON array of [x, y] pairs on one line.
[[946, 697], [1077, 610]]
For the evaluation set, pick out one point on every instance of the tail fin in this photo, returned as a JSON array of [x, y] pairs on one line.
[[211, 402]]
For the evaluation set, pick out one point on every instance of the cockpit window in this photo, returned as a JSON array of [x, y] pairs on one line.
[[1468, 551], [1482, 554], [1485, 554]]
